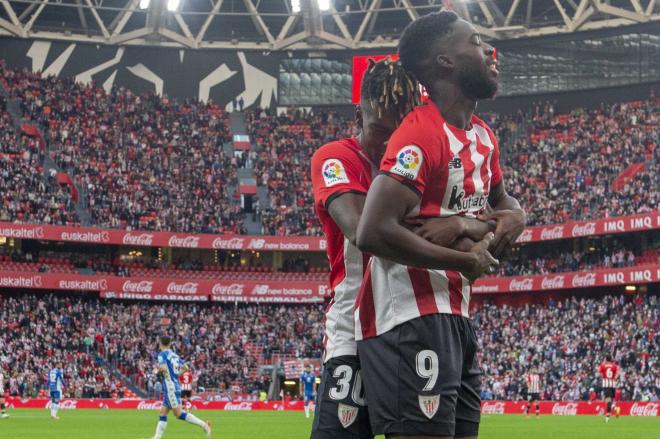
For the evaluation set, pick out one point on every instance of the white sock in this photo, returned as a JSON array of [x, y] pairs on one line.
[[53, 409], [192, 419], [160, 428], [307, 410]]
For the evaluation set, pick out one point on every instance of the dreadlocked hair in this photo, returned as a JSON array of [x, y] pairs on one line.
[[418, 38], [387, 87]]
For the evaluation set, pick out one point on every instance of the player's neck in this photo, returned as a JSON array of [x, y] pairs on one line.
[[455, 108], [373, 155]]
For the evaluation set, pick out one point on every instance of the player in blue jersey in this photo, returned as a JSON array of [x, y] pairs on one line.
[[56, 387], [170, 365], [308, 387]]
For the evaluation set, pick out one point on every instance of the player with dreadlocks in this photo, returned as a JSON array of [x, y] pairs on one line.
[[341, 175], [415, 340]]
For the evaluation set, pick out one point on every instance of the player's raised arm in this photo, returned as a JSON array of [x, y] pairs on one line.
[[382, 232]]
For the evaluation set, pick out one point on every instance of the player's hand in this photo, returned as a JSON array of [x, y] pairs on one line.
[[484, 262], [510, 224], [446, 232]]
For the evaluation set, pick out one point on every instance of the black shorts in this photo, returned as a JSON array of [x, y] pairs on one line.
[[609, 392], [423, 378], [533, 397], [340, 407], [186, 394]]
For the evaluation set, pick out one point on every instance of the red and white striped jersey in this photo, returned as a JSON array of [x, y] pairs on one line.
[[533, 383], [453, 171], [186, 380], [337, 168], [609, 372]]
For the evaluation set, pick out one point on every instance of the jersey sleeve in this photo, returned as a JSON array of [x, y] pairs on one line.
[[162, 361], [335, 171], [408, 159]]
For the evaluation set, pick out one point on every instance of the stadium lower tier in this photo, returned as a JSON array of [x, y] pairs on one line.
[[227, 345]]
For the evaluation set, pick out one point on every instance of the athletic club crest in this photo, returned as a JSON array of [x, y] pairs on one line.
[[347, 414], [429, 405]]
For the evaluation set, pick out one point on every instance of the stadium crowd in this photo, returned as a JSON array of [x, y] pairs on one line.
[[523, 263], [26, 196], [226, 343], [89, 335], [142, 162], [36, 333], [149, 162], [566, 341], [285, 143], [567, 167]]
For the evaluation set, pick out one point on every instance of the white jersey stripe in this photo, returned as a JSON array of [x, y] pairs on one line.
[[455, 176], [339, 325], [465, 301], [484, 138], [440, 285], [478, 160], [388, 276]]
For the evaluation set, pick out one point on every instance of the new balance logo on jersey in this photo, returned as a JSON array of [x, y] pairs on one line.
[[455, 163], [458, 201]]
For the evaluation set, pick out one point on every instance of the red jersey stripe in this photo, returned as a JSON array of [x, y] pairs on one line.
[[421, 284], [367, 310], [455, 291], [468, 169]]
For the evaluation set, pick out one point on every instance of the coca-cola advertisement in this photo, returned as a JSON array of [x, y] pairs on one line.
[[644, 409], [556, 408], [142, 404], [570, 408], [565, 408], [91, 235]]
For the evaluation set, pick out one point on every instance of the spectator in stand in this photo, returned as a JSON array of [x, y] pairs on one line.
[[567, 340], [26, 194], [568, 166], [143, 162], [286, 143], [222, 342], [33, 335]]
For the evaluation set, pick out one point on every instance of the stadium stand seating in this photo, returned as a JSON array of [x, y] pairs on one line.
[[35, 332], [226, 343], [25, 195], [567, 340], [142, 162], [148, 162]]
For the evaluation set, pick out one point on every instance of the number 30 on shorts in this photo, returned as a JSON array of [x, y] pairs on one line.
[[344, 374], [426, 364]]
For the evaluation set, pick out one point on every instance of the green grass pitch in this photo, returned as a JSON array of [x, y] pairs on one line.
[[133, 424]]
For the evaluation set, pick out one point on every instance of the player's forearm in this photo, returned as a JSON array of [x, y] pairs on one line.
[[506, 202], [393, 241]]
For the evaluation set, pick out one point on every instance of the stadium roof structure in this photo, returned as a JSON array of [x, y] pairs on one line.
[[273, 25]]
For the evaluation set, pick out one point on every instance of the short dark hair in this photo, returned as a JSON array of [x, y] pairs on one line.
[[608, 357], [386, 85], [418, 39], [165, 340]]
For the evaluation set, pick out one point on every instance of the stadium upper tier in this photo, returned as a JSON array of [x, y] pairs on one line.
[[150, 163]]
